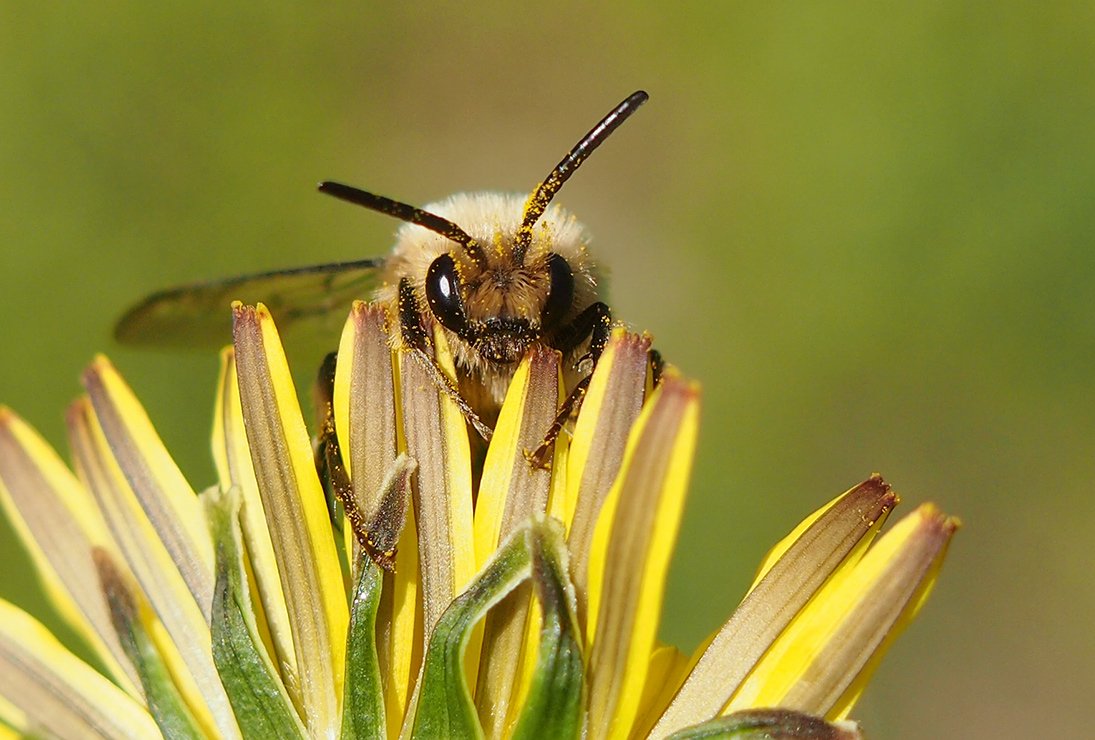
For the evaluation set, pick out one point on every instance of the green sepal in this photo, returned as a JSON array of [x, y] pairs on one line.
[[258, 697], [554, 704], [445, 707], [363, 698], [769, 724], [165, 704], [553, 707]]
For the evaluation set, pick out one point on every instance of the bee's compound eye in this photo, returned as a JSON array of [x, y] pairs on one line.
[[560, 294], [443, 294]]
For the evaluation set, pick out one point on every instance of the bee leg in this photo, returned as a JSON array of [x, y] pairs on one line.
[[322, 397], [328, 454], [595, 322], [415, 337], [657, 365]]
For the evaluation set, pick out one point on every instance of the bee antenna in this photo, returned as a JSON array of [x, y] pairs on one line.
[[538, 202], [410, 214]]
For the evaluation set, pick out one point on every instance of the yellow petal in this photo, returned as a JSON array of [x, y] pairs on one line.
[[296, 515], [817, 663], [512, 490], [235, 468], [609, 410], [834, 537], [632, 546], [54, 692], [442, 486], [668, 667], [367, 424], [56, 519], [167, 499], [399, 616], [364, 405], [186, 645], [796, 534]]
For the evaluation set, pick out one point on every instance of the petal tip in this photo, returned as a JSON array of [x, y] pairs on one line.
[[77, 409], [243, 318], [100, 364], [934, 517]]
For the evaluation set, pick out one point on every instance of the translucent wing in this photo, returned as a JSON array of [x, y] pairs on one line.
[[198, 316]]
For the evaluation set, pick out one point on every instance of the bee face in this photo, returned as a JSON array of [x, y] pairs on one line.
[[494, 307]]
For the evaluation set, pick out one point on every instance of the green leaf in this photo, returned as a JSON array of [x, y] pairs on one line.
[[769, 724], [554, 704], [363, 701], [164, 702], [444, 707], [254, 688]]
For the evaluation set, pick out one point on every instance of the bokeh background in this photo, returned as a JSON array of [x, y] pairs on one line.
[[868, 229]]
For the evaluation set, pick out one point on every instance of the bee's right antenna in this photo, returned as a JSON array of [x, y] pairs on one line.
[[546, 190], [410, 214]]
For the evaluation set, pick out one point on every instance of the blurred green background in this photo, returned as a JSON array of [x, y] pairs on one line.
[[868, 229]]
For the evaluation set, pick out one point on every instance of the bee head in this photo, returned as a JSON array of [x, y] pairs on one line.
[[503, 308], [500, 301]]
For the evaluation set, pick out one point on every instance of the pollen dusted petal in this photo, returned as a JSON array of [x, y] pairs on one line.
[[364, 405]]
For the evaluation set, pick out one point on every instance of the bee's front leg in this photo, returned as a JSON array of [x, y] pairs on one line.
[[328, 453], [416, 337], [594, 323], [377, 532]]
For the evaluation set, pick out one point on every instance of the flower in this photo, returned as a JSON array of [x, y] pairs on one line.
[[374, 583]]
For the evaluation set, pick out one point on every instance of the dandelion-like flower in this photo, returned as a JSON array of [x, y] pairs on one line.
[[376, 584]]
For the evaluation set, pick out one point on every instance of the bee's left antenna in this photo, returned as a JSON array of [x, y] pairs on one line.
[[538, 202], [410, 214]]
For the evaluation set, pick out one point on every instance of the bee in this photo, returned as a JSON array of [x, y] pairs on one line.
[[498, 273]]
